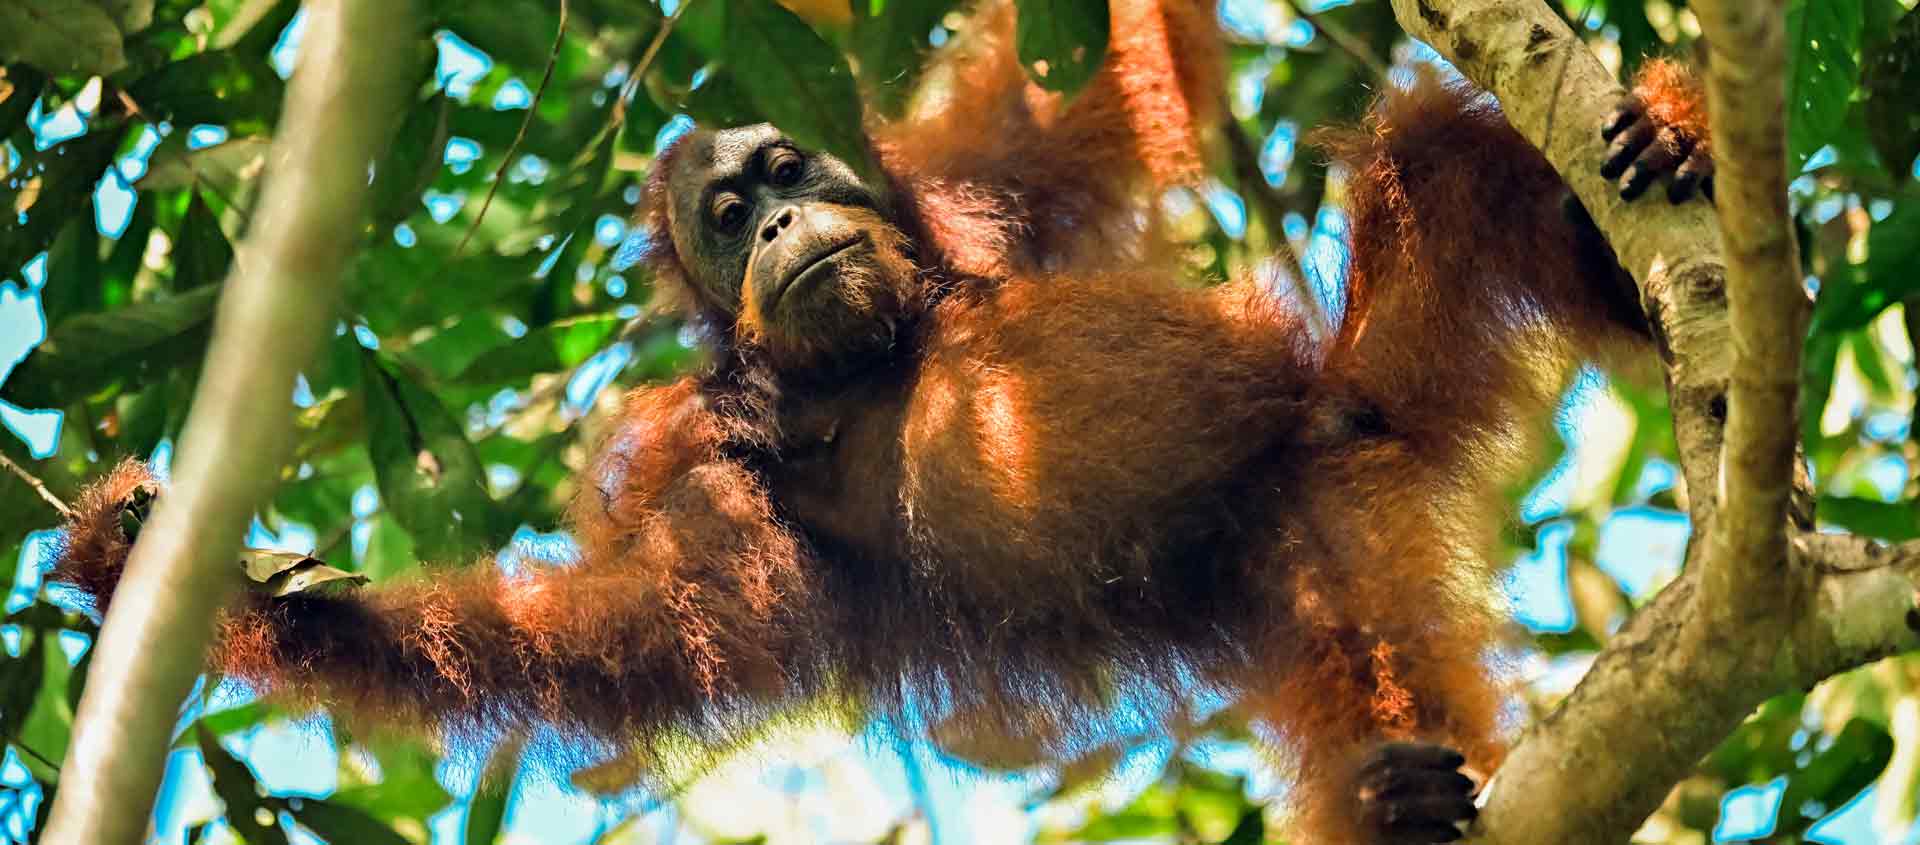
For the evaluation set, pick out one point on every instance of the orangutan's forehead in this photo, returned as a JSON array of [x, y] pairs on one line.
[[711, 156]]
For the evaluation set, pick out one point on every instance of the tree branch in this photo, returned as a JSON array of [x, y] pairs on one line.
[[1766, 306], [1746, 619], [275, 308]]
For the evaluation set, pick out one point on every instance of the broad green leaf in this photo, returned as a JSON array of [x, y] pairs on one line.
[[1890, 78], [62, 193], [22, 84], [1061, 43], [892, 44], [253, 817], [73, 265], [411, 162], [1836, 773], [406, 791], [228, 88], [795, 79], [20, 679], [129, 15], [201, 251], [1890, 521], [720, 101], [132, 345], [1824, 35], [389, 549], [486, 815], [223, 166], [61, 36], [430, 478], [551, 348], [49, 726], [518, 33], [340, 823], [1853, 295], [223, 722]]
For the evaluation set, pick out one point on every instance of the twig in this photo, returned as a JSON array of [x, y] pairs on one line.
[[631, 89], [38, 486], [1246, 166], [506, 159], [1342, 38]]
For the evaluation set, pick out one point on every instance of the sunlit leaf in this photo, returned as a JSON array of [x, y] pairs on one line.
[[282, 574]]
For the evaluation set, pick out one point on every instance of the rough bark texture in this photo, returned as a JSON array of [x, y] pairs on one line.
[[1754, 614], [1766, 306], [278, 301]]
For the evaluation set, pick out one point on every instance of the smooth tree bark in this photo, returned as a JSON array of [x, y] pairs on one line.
[[277, 304], [1763, 605]]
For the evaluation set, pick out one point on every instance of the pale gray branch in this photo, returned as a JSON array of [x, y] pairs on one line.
[[277, 303], [1766, 305], [1740, 624]]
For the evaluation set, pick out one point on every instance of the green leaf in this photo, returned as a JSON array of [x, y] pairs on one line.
[[1890, 521], [518, 33], [487, 814], [65, 189], [26, 84], [21, 676], [1855, 758], [892, 46], [282, 574], [554, 347], [796, 80], [412, 161], [1854, 295], [1821, 73], [407, 790], [49, 725], [231, 720], [1891, 76], [340, 823], [389, 550], [235, 90], [1061, 43], [132, 345], [250, 815], [223, 166], [430, 478], [61, 36], [201, 251], [720, 101]]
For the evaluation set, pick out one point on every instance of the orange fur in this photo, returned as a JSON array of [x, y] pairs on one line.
[[1674, 97], [1080, 487]]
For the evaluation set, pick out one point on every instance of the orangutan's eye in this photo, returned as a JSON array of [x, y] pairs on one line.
[[784, 169], [729, 212]]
